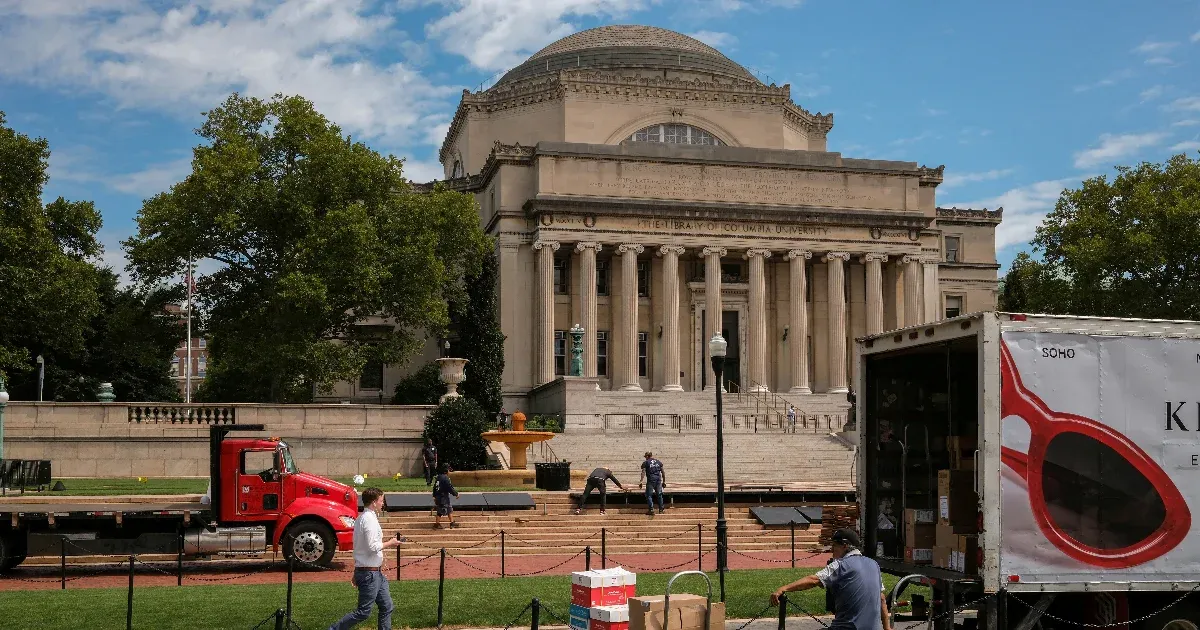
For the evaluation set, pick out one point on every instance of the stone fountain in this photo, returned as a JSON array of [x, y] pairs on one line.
[[518, 440]]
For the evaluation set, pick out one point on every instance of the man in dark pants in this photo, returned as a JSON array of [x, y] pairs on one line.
[[859, 596], [442, 491], [598, 480], [656, 480], [429, 460]]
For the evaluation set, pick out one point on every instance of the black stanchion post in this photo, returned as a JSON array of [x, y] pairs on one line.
[[536, 614], [793, 544], [291, 567], [603, 548], [699, 547], [587, 558], [397, 564], [62, 571], [129, 600], [782, 611], [280, 623], [441, 585], [502, 574], [179, 561]]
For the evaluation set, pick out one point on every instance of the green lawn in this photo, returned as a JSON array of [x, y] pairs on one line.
[[162, 485], [468, 602]]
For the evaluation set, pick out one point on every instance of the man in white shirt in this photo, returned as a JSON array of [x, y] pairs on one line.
[[368, 565]]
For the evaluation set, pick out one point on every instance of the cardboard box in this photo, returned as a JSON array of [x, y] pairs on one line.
[[918, 555], [914, 517], [941, 557], [921, 536], [580, 623], [957, 503], [609, 618], [601, 588], [967, 554], [687, 613]]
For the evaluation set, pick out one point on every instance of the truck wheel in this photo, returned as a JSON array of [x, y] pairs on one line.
[[1182, 616], [310, 543], [12, 550]]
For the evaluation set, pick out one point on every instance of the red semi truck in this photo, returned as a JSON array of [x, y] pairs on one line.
[[258, 499]]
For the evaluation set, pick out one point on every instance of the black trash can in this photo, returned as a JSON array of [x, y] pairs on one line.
[[554, 476]]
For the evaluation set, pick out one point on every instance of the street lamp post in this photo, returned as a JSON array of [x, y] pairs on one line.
[[41, 375], [3, 404], [716, 351]]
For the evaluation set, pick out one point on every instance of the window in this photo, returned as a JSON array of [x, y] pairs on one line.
[[643, 348], [560, 352], [257, 462], [954, 306], [602, 277], [174, 366], [643, 279], [602, 353], [732, 272], [457, 170], [202, 343], [952, 248], [674, 133], [372, 375], [202, 365], [562, 277]]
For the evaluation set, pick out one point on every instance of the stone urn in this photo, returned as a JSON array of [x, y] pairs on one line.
[[453, 373], [106, 394]]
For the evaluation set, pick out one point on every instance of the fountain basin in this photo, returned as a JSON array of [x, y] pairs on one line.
[[517, 442]]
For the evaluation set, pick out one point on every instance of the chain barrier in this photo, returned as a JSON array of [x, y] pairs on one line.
[[949, 613], [553, 615], [800, 608], [437, 549], [548, 569], [1083, 624], [687, 532], [652, 569], [519, 615], [469, 565], [419, 560], [756, 617], [786, 561]]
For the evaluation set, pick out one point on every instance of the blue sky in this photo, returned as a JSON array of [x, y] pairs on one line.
[[1018, 99]]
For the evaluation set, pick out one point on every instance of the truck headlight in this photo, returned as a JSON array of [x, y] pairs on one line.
[[347, 521]]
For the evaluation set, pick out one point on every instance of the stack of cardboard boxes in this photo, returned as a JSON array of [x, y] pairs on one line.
[[605, 599], [956, 535]]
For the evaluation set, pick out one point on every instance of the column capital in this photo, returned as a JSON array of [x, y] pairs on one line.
[[678, 250], [830, 256], [751, 253], [630, 247], [881, 258], [799, 253], [539, 244], [910, 258], [714, 251], [930, 260], [579, 247]]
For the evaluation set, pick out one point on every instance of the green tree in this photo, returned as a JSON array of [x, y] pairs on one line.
[[48, 284], [327, 260], [480, 338], [423, 387], [455, 428], [1129, 247]]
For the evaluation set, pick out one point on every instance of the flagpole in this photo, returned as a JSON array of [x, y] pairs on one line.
[[187, 396]]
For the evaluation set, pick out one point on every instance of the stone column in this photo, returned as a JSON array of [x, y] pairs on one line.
[[874, 263], [913, 296], [670, 295], [543, 367], [798, 334], [758, 319], [834, 262], [712, 304], [587, 302], [932, 299], [629, 307]]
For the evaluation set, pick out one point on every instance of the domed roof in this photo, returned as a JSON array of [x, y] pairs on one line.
[[628, 46]]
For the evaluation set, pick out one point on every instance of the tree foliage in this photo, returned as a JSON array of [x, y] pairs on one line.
[[455, 428], [423, 387], [1129, 247], [315, 235], [480, 338], [48, 286]]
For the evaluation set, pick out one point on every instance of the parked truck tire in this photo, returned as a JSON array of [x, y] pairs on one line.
[[12, 550], [309, 543], [1182, 616]]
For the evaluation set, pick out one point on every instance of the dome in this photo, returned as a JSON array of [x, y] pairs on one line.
[[628, 46]]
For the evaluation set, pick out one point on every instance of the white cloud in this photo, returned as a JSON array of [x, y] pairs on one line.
[[187, 55], [924, 135], [1190, 145], [1186, 123], [716, 39], [422, 171], [1151, 47], [154, 179], [1195, 37], [1108, 81], [1113, 147], [497, 35], [1152, 93], [953, 180], [931, 111], [1160, 61], [1024, 208], [1185, 104]]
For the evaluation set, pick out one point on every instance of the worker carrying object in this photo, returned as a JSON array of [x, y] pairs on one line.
[[852, 579], [598, 480]]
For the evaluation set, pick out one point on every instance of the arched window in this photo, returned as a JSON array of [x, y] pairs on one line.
[[675, 133], [457, 170]]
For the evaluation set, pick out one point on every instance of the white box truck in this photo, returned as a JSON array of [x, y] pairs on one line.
[[1057, 457]]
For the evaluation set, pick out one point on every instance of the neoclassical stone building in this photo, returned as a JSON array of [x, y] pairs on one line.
[[639, 182]]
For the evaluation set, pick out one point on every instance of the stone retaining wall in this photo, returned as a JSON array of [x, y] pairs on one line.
[[100, 440]]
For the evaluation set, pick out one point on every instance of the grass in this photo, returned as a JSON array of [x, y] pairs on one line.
[[192, 485], [468, 602]]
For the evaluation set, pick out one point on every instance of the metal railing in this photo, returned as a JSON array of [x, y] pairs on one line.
[[739, 422], [182, 413]]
